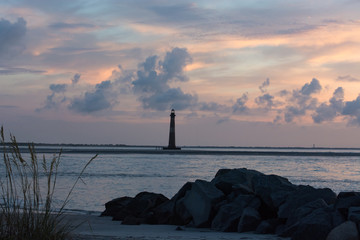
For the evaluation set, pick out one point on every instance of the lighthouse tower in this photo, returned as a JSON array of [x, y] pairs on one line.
[[172, 145]]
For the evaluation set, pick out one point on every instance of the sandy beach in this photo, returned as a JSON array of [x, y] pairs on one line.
[[94, 227]]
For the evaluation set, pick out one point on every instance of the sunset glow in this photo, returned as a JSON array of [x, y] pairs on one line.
[[251, 70]]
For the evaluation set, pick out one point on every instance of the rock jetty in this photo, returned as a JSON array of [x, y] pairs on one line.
[[243, 200]]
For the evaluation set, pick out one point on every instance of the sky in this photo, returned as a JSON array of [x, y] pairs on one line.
[[238, 73]]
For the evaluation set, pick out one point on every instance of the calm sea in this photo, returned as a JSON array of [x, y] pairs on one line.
[[117, 174]]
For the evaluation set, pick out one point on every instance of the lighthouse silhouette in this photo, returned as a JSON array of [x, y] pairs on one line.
[[172, 145]]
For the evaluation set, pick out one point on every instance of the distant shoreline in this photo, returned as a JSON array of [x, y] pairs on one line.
[[296, 152], [26, 144]]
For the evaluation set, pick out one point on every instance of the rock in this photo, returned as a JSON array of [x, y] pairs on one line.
[[302, 196], [273, 190], [315, 226], [268, 226], [345, 231], [228, 215], [354, 214], [200, 202], [305, 210], [162, 214], [249, 221], [116, 205], [348, 194], [239, 188], [141, 206], [182, 214], [231, 177], [345, 200]]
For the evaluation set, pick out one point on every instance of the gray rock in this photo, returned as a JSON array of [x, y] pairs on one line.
[[141, 206], [116, 206], [345, 200], [345, 231], [182, 214], [354, 214], [162, 214], [273, 189], [315, 226], [305, 210], [239, 188], [348, 194], [200, 202], [249, 221], [302, 196], [231, 177], [268, 226], [228, 216]]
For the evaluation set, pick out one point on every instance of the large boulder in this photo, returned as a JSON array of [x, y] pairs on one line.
[[302, 196], [229, 214], [268, 226], [314, 226], [116, 205], [345, 200], [305, 210], [354, 214], [162, 214], [273, 190], [140, 207], [200, 202], [249, 221], [345, 231], [181, 215], [225, 179]]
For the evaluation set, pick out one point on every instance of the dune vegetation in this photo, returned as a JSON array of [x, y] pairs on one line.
[[27, 187]]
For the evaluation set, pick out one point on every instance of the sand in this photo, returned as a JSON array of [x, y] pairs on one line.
[[94, 227]]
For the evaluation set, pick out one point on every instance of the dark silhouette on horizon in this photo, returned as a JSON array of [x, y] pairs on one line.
[[172, 145]]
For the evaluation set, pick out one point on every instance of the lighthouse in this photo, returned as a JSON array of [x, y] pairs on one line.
[[172, 145]]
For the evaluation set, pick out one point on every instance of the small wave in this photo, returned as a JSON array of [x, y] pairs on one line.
[[121, 175]]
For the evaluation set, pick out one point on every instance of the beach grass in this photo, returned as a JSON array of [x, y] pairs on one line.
[[26, 201]]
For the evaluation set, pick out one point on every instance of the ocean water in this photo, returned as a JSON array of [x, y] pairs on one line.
[[116, 175]]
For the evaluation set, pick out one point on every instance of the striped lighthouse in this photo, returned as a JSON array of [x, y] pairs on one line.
[[172, 145]]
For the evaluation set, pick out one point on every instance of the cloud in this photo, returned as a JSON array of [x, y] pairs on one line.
[[211, 106], [56, 98], [8, 106], [311, 88], [327, 112], [240, 105], [222, 120], [352, 109], [58, 88], [265, 84], [63, 25], [100, 98], [347, 78], [12, 71], [76, 78], [266, 101], [150, 83], [301, 100], [148, 80], [11, 38], [172, 98], [153, 78], [174, 64]]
